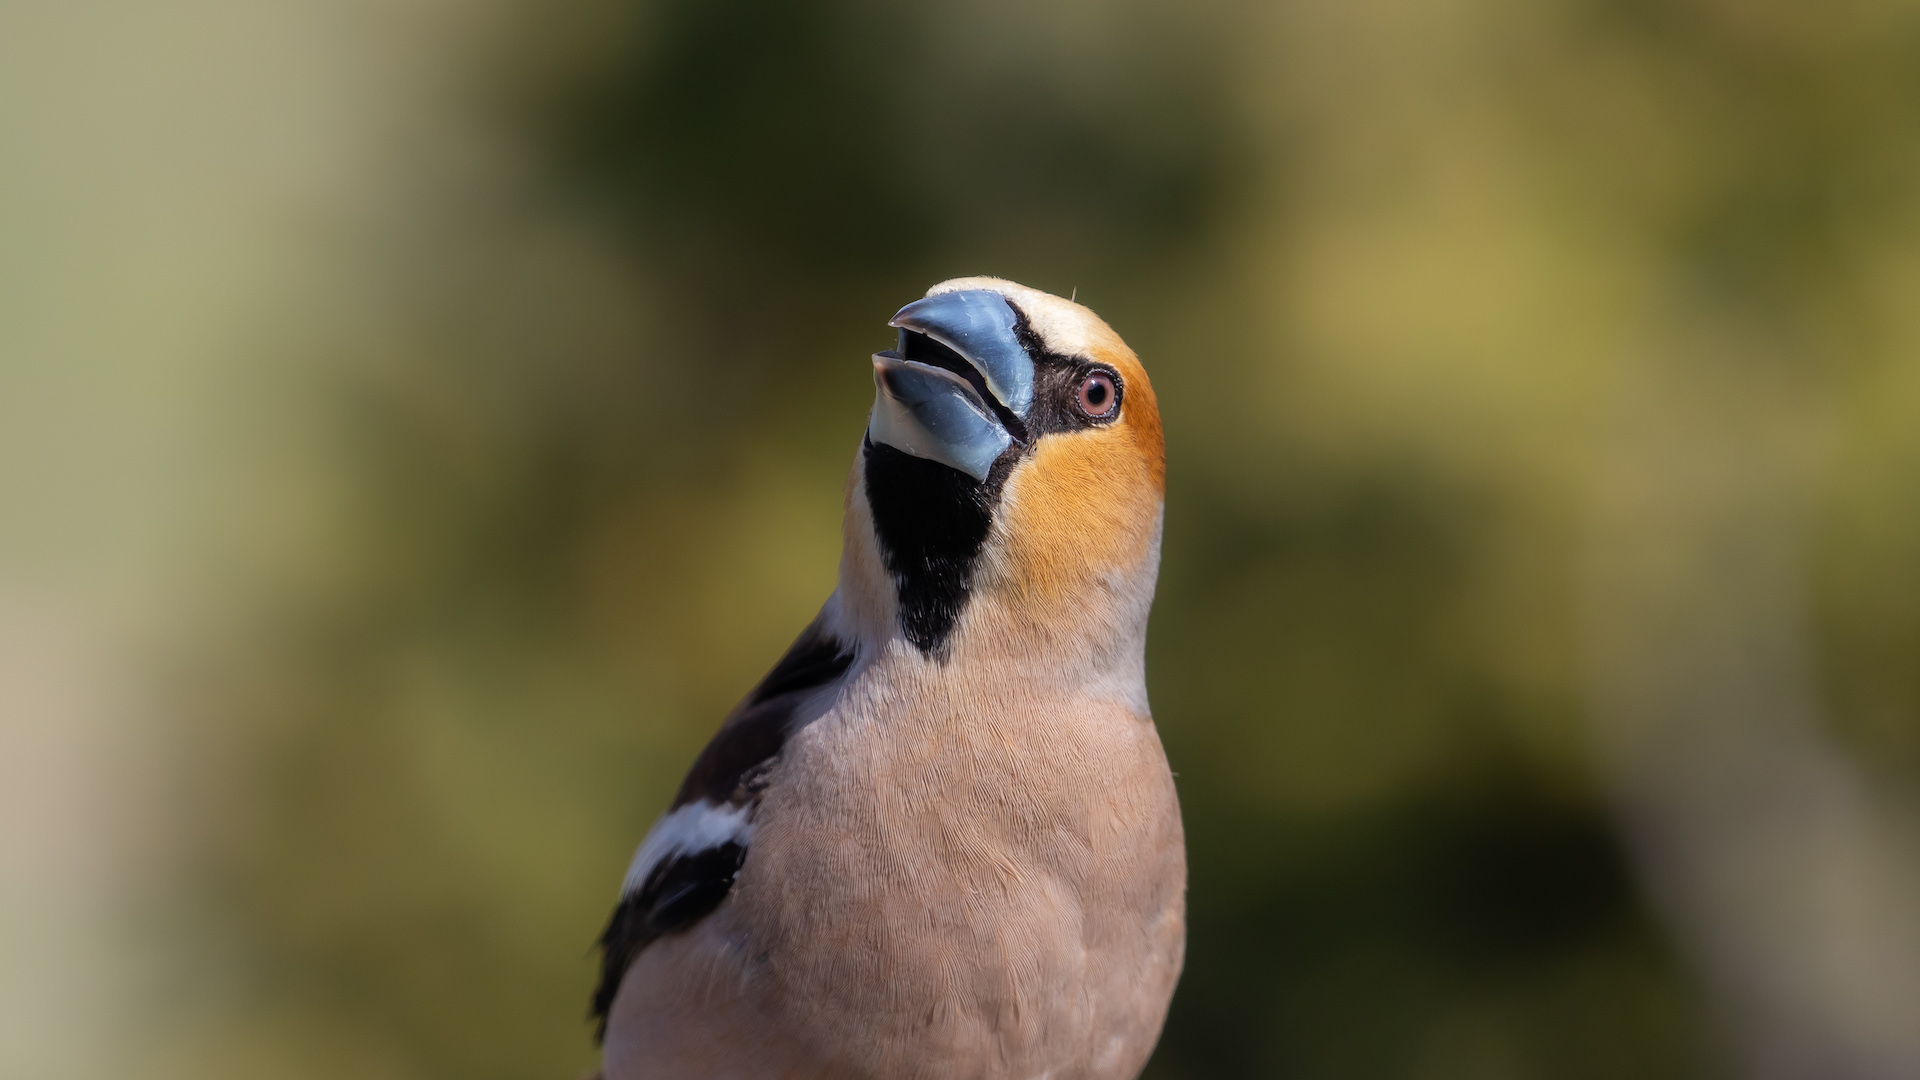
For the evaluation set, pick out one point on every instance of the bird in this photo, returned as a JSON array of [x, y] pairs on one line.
[[941, 838]]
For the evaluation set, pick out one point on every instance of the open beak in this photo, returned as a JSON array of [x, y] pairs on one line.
[[958, 389]]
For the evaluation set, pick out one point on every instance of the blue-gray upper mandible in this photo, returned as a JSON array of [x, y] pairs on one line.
[[977, 324]]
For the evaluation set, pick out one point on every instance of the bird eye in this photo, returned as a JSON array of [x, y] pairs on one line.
[[1098, 395]]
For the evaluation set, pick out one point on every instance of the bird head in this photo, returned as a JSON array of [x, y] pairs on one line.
[[1007, 498]]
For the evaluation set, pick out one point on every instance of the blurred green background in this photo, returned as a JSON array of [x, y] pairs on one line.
[[419, 422]]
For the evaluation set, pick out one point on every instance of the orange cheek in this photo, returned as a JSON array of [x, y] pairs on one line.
[[1083, 505]]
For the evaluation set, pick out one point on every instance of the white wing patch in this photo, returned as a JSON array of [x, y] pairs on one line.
[[696, 826]]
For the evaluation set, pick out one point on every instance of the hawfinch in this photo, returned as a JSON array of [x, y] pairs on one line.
[[940, 839]]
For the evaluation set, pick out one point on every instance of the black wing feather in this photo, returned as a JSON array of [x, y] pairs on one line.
[[731, 770], [681, 892]]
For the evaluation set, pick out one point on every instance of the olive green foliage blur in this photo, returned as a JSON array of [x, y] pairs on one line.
[[584, 478]]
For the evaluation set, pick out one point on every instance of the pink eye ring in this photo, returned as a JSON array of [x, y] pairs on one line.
[[1098, 396]]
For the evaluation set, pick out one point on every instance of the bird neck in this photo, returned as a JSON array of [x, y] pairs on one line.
[[1031, 604]]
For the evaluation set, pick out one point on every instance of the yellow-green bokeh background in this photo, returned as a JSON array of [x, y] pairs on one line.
[[419, 421]]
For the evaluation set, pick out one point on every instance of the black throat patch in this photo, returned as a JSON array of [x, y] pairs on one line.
[[932, 521]]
